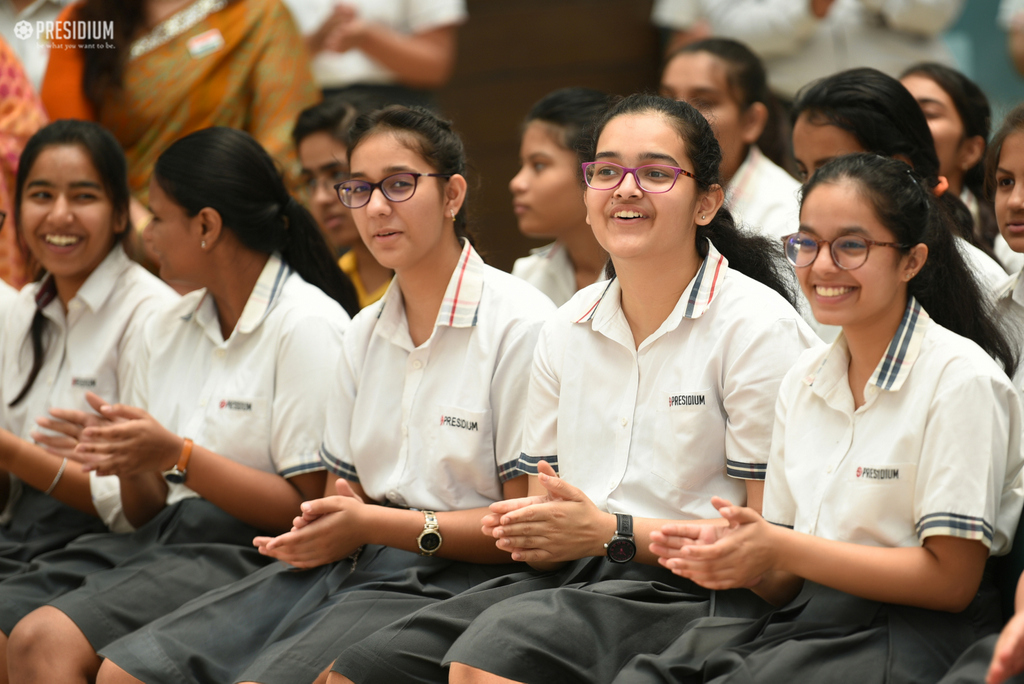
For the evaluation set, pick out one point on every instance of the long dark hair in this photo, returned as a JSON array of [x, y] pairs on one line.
[[945, 286], [434, 138], [104, 69], [976, 117], [227, 170], [108, 160], [753, 255], [745, 74], [574, 112], [885, 119]]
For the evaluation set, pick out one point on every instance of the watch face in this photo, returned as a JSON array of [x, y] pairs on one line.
[[430, 542], [621, 550], [175, 476]]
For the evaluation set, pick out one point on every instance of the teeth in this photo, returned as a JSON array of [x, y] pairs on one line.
[[62, 240], [831, 291], [628, 214]]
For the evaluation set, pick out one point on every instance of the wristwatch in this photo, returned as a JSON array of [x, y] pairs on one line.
[[430, 539], [179, 472], [622, 548]]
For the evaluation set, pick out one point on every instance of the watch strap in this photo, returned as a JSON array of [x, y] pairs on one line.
[[624, 525], [186, 455]]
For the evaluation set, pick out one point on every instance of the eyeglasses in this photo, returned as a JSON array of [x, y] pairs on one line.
[[397, 187], [848, 251], [651, 178]]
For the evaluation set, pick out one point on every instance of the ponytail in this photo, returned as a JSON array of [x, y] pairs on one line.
[[755, 256], [945, 286], [228, 171]]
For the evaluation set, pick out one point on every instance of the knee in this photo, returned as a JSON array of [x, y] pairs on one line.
[[32, 635], [335, 678], [110, 673]]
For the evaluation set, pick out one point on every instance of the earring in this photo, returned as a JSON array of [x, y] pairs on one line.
[[453, 214], [702, 217], [202, 245]]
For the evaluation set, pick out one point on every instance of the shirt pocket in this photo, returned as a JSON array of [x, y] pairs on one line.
[[238, 427], [681, 456], [878, 500], [462, 450]]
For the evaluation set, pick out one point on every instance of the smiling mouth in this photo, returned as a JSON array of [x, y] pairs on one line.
[[628, 214], [832, 291], [62, 240]]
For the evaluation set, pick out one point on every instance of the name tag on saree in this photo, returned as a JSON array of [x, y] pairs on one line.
[[205, 43]]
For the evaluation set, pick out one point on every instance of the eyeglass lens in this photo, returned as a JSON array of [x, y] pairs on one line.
[[848, 251], [397, 188], [652, 178]]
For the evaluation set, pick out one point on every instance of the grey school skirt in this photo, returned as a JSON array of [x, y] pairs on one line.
[[581, 623], [283, 625], [112, 584], [823, 635], [40, 524]]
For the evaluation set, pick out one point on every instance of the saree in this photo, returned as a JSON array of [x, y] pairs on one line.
[[21, 115], [240, 64]]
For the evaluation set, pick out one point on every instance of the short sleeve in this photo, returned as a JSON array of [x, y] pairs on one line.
[[779, 507], [306, 354], [752, 381], [676, 14], [336, 449], [540, 429], [106, 499], [509, 387], [968, 482], [425, 15]]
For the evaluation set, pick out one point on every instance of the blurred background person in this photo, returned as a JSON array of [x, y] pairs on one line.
[[321, 136], [33, 51], [726, 82], [547, 193], [959, 117], [804, 40], [397, 49]]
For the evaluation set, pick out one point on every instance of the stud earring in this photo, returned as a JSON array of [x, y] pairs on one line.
[[202, 245], [702, 217], [453, 214]]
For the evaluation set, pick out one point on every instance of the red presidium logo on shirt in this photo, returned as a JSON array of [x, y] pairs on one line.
[[236, 405], [461, 423], [866, 473]]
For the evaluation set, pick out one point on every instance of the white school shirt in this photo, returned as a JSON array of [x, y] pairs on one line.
[[409, 17], [437, 426], [934, 450], [987, 270], [7, 296], [1010, 310], [657, 431], [764, 198], [257, 397], [88, 349], [549, 270]]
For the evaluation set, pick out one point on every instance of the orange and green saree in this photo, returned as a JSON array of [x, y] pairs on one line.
[[239, 63]]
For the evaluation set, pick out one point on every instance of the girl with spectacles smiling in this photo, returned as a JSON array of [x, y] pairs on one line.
[[424, 426], [895, 470], [650, 392]]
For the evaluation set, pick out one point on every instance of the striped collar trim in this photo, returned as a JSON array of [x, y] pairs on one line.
[[741, 179], [894, 367], [698, 294], [462, 298], [266, 291]]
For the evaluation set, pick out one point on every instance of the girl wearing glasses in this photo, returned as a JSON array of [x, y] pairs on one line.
[[895, 470], [649, 394], [68, 333], [864, 110], [424, 428], [545, 194], [217, 441]]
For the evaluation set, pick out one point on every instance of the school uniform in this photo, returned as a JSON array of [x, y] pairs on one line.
[[901, 468], [7, 295], [654, 432], [434, 427], [87, 349], [255, 398], [548, 269], [763, 197]]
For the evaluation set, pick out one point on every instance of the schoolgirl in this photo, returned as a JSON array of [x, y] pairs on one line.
[[880, 508], [864, 110], [69, 333], [545, 194], [959, 118], [649, 395], [727, 82], [425, 419], [321, 140], [228, 408]]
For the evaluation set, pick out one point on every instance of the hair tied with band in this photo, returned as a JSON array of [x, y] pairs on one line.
[[288, 208]]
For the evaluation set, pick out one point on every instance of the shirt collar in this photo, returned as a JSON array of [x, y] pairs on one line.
[[1013, 289], [694, 303], [96, 289], [895, 365], [459, 308], [741, 179], [262, 298]]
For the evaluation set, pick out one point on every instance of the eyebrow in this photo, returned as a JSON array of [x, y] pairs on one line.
[[930, 100], [845, 230], [74, 184], [390, 170], [1000, 169], [330, 166], [643, 156]]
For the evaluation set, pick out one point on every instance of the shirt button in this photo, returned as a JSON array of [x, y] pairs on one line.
[[830, 470], [405, 431], [220, 353], [625, 422], [417, 364], [202, 402]]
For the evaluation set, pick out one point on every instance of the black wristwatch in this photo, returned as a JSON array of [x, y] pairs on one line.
[[622, 548], [430, 539]]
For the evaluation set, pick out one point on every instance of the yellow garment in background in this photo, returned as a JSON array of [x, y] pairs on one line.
[[347, 262]]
